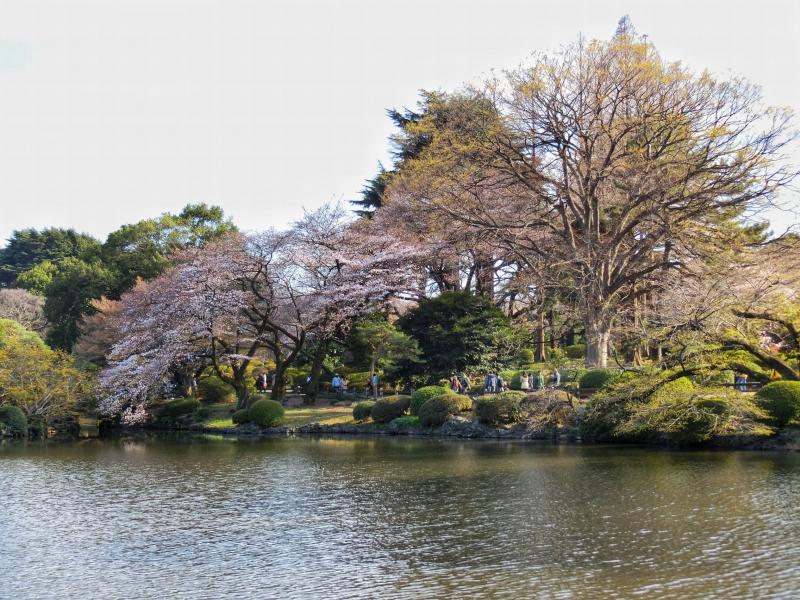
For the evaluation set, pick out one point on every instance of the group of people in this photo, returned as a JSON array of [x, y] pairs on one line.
[[527, 381], [460, 383]]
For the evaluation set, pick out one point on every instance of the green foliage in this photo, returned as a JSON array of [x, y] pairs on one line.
[[436, 410], [13, 421], [28, 247], [423, 394], [405, 422], [203, 412], [525, 356], [43, 383], [458, 331], [614, 404], [241, 416], [213, 389], [685, 416], [38, 278], [180, 407], [363, 410], [499, 409], [389, 408], [376, 341], [266, 413], [464, 402], [575, 351], [142, 249], [781, 401], [597, 378], [69, 298]]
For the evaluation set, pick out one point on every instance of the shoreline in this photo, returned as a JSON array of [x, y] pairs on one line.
[[787, 440]]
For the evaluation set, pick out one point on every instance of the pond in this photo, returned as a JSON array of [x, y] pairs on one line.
[[204, 517]]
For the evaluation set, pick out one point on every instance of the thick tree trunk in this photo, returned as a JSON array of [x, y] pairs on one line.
[[312, 389], [242, 392], [279, 386], [598, 334]]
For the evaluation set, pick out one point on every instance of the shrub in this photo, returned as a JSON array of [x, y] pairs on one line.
[[464, 402], [422, 395], [213, 389], [525, 356], [597, 378], [614, 405], [692, 417], [575, 351], [13, 421], [241, 416], [405, 422], [499, 409], [363, 410], [389, 408], [436, 410], [178, 408], [266, 413], [203, 412], [781, 401]]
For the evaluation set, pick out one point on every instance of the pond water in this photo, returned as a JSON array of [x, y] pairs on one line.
[[393, 518]]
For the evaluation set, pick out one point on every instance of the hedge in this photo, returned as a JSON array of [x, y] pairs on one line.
[[241, 416], [178, 408], [363, 410], [780, 400], [389, 408], [499, 409], [422, 395], [436, 410], [13, 420], [266, 413], [597, 378]]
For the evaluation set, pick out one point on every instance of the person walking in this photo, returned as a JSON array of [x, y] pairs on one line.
[[336, 385], [555, 379], [540, 381], [524, 384], [465, 382], [455, 384]]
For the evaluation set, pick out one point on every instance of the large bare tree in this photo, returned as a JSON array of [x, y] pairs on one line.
[[602, 166]]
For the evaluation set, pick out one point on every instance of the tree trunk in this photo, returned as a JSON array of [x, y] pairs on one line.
[[279, 387], [242, 392], [312, 389], [541, 348], [598, 334]]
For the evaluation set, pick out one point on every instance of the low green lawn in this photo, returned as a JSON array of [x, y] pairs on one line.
[[220, 415]]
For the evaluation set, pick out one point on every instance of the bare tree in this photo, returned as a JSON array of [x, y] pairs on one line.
[[23, 307], [604, 166]]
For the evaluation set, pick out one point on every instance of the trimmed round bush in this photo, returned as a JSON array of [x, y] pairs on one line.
[[676, 387], [499, 409], [266, 413], [423, 394], [597, 378], [464, 402], [203, 413], [213, 389], [575, 351], [436, 410], [780, 400], [363, 410], [241, 416], [181, 407], [13, 421], [389, 408]]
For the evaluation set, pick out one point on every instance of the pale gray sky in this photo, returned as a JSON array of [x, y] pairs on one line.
[[116, 110]]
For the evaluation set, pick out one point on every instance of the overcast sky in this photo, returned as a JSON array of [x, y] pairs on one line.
[[115, 110]]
